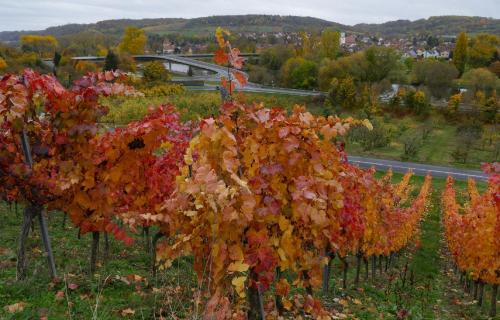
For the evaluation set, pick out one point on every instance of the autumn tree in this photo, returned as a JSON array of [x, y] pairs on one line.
[[45, 131], [330, 44], [307, 45], [342, 93], [460, 52], [481, 50], [454, 103], [495, 68], [3, 64], [84, 67], [133, 42], [480, 79], [44, 46], [155, 71], [472, 232], [416, 101]]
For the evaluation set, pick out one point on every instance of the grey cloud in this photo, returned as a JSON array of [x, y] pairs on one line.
[[33, 14]]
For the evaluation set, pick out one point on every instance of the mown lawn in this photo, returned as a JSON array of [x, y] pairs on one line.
[[124, 287]]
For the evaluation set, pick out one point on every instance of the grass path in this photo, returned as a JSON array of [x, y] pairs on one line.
[[124, 287]]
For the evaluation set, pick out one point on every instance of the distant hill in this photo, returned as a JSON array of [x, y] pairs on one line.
[[196, 26], [443, 25]]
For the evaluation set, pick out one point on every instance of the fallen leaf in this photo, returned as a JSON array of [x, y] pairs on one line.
[[60, 295], [16, 307], [127, 312]]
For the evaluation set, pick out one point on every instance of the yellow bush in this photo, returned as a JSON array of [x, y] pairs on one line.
[[3, 64], [163, 90]]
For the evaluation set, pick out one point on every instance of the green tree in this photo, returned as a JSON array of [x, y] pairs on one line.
[[489, 110], [57, 59], [437, 75], [133, 42], [381, 61], [155, 71], [305, 76], [273, 58], [343, 93], [432, 42], [111, 62], [460, 52], [84, 67], [330, 44], [372, 65], [299, 73], [480, 79]]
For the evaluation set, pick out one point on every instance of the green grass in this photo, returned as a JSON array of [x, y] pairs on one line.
[[102, 296], [436, 149], [435, 293]]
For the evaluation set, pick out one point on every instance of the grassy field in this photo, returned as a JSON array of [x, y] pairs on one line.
[[437, 148], [195, 104], [124, 287]]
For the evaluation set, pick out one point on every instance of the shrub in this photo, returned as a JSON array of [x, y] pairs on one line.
[[417, 102], [155, 71], [411, 147], [377, 138], [163, 90]]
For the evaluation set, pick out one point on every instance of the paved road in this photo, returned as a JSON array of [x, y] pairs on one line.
[[250, 87], [418, 168]]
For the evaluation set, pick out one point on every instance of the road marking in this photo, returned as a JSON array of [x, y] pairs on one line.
[[414, 168]]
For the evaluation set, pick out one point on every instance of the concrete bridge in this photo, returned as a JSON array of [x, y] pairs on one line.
[[188, 60], [216, 71]]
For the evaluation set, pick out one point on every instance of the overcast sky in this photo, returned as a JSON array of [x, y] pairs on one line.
[[40, 14]]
